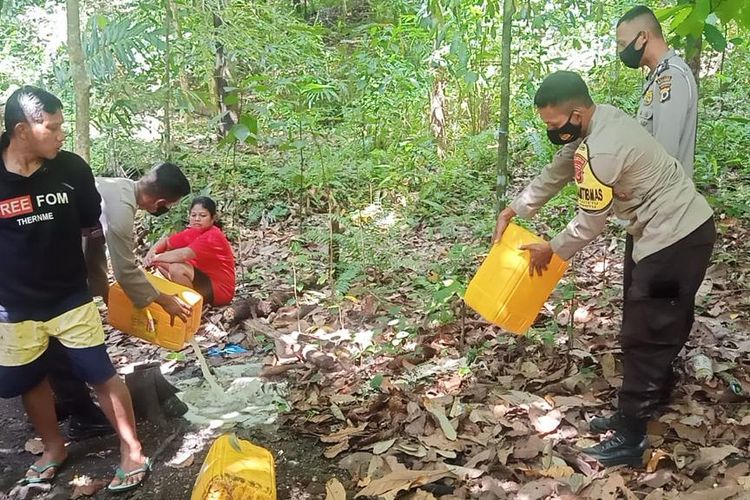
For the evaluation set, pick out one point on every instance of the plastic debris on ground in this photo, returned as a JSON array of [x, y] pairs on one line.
[[246, 400]]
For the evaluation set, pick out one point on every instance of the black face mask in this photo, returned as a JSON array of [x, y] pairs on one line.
[[160, 211], [566, 134], [631, 57]]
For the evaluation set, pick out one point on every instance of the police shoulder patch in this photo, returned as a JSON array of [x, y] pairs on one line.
[[593, 195], [665, 92]]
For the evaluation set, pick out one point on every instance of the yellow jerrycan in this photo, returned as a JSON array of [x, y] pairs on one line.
[[153, 323], [236, 469], [502, 291]]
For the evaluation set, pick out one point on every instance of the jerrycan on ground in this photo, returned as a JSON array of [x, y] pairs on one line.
[[236, 469], [502, 291], [127, 318]]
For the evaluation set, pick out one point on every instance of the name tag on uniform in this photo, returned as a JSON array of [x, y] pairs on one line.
[[593, 195]]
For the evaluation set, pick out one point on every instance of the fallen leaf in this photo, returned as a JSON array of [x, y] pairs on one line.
[[529, 448], [464, 473], [335, 490], [577, 482], [658, 479], [338, 413], [656, 457], [356, 464], [721, 493], [383, 446], [87, 487], [343, 434], [695, 434], [711, 456], [391, 484], [608, 365], [529, 369], [333, 451], [572, 402], [34, 446], [557, 472], [536, 490], [520, 398], [480, 457], [503, 454], [439, 413], [544, 421]]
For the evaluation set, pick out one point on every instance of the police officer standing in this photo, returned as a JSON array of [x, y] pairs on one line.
[[669, 98], [668, 111], [620, 169]]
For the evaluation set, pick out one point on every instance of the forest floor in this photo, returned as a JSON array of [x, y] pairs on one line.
[[380, 402]]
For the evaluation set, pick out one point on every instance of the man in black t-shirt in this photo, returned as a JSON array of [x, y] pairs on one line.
[[47, 196]]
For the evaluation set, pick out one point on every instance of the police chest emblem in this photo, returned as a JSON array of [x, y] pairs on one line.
[[648, 98], [593, 195]]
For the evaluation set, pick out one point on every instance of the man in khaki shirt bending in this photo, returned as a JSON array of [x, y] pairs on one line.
[[155, 192], [621, 169]]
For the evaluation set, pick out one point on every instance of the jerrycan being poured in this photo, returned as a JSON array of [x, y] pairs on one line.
[[153, 323], [502, 291]]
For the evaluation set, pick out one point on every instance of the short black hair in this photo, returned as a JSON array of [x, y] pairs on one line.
[[206, 203], [28, 105], [167, 181], [645, 12], [561, 87]]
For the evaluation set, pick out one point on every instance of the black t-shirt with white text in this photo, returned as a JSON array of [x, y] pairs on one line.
[[42, 270]]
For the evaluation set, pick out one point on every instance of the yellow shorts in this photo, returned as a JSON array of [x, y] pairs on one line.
[[21, 343]]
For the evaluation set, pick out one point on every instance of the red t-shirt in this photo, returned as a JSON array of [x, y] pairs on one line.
[[213, 256]]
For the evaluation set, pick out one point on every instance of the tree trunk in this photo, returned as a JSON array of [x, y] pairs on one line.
[[81, 81], [167, 138], [229, 114], [437, 112], [501, 184], [694, 51], [154, 398]]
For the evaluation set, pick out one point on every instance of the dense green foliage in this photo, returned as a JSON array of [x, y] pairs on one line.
[[333, 101]]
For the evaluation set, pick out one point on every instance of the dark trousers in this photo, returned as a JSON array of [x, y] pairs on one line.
[[658, 315], [71, 393]]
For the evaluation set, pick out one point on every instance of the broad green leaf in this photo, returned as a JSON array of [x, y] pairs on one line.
[[728, 10], [231, 99], [695, 20], [240, 132], [471, 77], [251, 122], [715, 37]]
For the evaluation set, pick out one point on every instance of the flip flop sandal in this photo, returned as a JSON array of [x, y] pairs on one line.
[[41, 470], [122, 476]]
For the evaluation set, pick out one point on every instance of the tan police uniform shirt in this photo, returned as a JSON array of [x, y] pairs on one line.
[[618, 168], [119, 207], [669, 108]]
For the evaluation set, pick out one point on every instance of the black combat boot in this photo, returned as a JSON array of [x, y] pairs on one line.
[[600, 425], [626, 447]]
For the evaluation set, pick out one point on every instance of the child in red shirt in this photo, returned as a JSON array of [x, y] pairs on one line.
[[199, 257]]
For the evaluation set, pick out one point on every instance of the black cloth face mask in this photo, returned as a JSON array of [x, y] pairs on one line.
[[566, 134], [630, 56]]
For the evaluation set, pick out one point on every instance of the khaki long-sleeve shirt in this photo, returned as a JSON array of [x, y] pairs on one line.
[[669, 108], [619, 168], [119, 207]]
